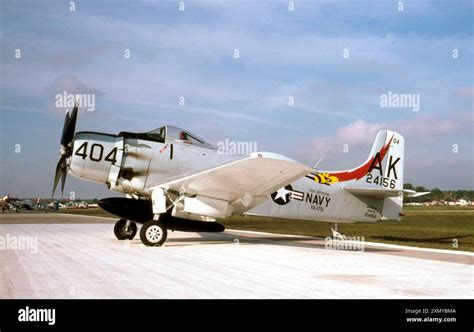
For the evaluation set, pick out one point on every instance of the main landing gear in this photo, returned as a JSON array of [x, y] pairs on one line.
[[153, 233], [125, 229]]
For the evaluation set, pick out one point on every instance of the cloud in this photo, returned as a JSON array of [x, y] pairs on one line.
[[356, 134], [282, 54], [430, 127], [213, 112], [359, 132], [465, 92], [427, 128], [73, 84], [20, 109], [429, 143]]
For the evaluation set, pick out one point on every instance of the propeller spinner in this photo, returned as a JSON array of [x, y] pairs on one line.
[[66, 149]]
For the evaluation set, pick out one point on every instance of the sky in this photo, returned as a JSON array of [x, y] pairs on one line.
[[333, 59]]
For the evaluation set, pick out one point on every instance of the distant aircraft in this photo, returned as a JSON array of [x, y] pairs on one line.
[[5, 202], [55, 205], [8, 203], [175, 180]]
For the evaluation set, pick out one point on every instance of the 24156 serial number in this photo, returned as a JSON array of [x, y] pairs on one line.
[[381, 181]]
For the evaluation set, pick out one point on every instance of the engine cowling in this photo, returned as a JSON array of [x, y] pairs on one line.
[[96, 157]]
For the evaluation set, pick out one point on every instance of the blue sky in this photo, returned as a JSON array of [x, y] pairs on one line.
[[282, 53]]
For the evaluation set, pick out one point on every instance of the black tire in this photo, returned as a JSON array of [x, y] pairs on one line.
[[121, 233], [153, 233]]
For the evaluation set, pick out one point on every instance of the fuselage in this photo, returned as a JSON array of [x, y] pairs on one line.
[[306, 199], [132, 163]]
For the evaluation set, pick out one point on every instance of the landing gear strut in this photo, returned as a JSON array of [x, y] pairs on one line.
[[125, 229], [336, 235], [153, 233]]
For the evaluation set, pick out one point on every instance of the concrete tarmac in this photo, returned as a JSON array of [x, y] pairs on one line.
[[66, 256]]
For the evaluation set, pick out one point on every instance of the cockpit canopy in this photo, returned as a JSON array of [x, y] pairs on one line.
[[171, 134]]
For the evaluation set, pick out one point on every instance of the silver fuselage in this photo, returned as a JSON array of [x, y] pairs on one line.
[[132, 165]]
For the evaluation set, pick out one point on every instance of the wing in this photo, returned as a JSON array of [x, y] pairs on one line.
[[244, 182]]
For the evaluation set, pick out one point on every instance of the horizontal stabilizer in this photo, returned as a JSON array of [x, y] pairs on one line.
[[412, 193], [384, 192], [374, 192]]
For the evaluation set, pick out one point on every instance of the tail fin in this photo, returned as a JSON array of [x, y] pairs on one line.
[[381, 175], [382, 169]]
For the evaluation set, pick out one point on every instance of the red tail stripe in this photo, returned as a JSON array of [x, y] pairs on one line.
[[361, 171]]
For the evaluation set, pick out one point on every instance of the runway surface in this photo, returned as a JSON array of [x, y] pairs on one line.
[[71, 256]]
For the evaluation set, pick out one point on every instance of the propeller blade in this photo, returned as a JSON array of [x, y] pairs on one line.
[[66, 123], [63, 175], [57, 175], [69, 127]]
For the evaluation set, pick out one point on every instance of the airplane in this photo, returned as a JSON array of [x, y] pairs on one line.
[[6, 202], [54, 206], [16, 204], [175, 180]]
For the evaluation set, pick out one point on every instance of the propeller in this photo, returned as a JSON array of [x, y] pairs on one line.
[[66, 149]]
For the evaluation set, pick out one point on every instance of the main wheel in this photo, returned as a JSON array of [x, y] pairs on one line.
[[121, 232], [153, 233]]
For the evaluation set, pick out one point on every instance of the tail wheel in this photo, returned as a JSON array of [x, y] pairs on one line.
[[122, 233], [153, 233]]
